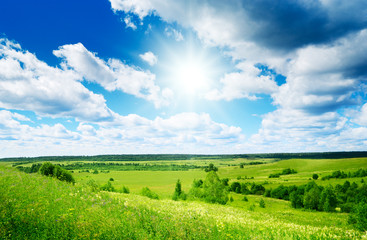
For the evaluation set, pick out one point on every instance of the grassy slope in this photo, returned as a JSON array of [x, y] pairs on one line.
[[36, 207], [163, 182]]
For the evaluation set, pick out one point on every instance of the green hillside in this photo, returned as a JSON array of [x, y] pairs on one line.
[[37, 207]]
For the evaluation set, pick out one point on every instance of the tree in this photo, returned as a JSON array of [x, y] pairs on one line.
[[328, 199], [212, 189], [359, 216], [315, 176], [178, 194], [51, 170], [108, 187], [236, 187], [312, 198], [211, 167], [47, 169]]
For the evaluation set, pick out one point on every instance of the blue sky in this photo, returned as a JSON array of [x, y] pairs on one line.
[[155, 76]]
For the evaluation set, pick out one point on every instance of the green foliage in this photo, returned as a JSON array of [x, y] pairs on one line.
[[262, 203], [286, 171], [33, 169], [359, 216], [149, 193], [328, 199], [108, 187], [48, 169], [111, 179], [315, 176], [311, 198], [341, 174], [95, 171], [125, 189], [178, 193], [212, 190], [36, 207], [210, 168], [245, 199], [94, 187]]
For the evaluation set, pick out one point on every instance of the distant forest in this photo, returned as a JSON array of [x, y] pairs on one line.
[[167, 157]]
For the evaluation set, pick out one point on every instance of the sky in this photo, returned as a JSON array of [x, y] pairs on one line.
[[184, 76]]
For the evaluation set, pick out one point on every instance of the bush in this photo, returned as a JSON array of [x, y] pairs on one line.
[[245, 199], [262, 203], [212, 190], [149, 193], [48, 169], [125, 189], [108, 187], [210, 168], [315, 176], [358, 216], [111, 179], [178, 193]]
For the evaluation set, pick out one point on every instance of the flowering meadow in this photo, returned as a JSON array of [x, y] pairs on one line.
[[37, 207]]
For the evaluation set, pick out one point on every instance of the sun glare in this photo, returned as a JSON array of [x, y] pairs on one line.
[[191, 75]]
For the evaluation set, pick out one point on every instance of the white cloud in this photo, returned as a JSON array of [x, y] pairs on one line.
[[244, 84], [171, 32], [150, 58], [129, 23], [113, 74], [360, 117], [182, 133], [27, 83]]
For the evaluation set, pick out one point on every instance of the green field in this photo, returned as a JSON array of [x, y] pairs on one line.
[[38, 207]]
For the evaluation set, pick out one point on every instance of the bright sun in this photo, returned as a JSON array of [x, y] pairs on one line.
[[191, 75]]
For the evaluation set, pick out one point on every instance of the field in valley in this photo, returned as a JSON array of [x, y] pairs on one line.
[[36, 206]]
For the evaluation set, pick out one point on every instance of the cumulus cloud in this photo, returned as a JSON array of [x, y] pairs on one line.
[[244, 84], [27, 83], [113, 74], [182, 133], [150, 58]]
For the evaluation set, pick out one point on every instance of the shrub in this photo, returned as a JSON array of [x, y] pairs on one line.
[[359, 216], [108, 187], [178, 193], [111, 179], [210, 168], [262, 203], [315, 176], [149, 193], [51, 170], [125, 189], [212, 190], [245, 199]]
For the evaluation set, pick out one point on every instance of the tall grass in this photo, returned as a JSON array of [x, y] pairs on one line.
[[37, 207]]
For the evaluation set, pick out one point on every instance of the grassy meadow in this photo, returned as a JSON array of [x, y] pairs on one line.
[[38, 207]]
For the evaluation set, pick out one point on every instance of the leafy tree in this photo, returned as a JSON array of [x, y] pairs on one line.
[[328, 199], [111, 179], [47, 169], [51, 170], [235, 187], [211, 167], [213, 189], [178, 194], [108, 187], [312, 198], [359, 216], [315, 176]]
